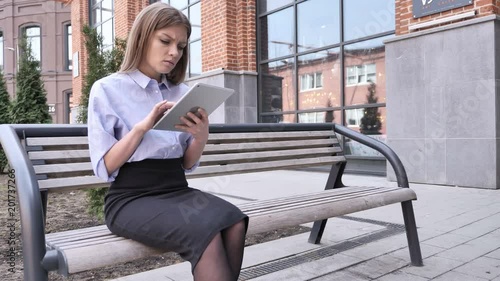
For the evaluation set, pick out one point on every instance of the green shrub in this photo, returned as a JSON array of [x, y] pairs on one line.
[[99, 64]]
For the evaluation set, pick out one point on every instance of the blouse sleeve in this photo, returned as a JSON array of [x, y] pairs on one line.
[[188, 141], [102, 120]]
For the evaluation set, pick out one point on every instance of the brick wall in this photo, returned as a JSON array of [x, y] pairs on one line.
[[228, 35], [404, 13], [125, 13]]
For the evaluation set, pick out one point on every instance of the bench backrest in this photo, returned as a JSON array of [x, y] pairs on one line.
[[63, 163]]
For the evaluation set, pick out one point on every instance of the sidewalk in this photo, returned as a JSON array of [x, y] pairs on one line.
[[459, 231]]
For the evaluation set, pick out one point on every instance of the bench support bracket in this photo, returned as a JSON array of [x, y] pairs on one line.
[[334, 181]]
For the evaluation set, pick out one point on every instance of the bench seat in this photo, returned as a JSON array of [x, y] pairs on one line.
[[92, 247]]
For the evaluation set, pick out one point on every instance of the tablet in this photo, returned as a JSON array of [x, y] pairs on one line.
[[202, 95]]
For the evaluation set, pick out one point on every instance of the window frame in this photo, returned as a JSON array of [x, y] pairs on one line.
[[68, 61], [314, 78], [2, 51], [22, 31], [360, 73], [186, 10], [98, 25]]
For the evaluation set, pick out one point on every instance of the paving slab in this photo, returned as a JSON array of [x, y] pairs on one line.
[[494, 254], [457, 276], [401, 276], [447, 240], [426, 250], [482, 267], [433, 267], [379, 266]]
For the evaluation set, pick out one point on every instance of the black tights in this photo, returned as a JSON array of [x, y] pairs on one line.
[[222, 258]]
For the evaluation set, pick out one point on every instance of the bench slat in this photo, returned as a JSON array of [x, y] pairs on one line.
[[63, 168], [269, 155], [228, 137], [84, 255], [257, 146], [59, 154], [77, 232], [71, 183], [56, 141]]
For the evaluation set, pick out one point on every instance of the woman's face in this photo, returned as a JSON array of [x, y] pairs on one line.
[[166, 47]]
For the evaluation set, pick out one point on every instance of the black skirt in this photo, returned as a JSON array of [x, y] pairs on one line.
[[150, 202]]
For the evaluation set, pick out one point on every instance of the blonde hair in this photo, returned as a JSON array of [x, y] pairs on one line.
[[154, 17]]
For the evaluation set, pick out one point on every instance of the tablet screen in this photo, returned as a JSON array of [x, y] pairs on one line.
[[202, 95]]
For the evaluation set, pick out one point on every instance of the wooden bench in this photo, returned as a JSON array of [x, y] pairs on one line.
[[54, 158]]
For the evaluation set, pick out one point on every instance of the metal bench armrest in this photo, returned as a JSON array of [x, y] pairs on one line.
[[381, 147], [30, 204]]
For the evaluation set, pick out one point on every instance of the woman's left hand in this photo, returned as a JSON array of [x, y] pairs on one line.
[[197, 126]]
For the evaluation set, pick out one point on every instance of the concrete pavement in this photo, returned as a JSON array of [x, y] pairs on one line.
[[459, 231]]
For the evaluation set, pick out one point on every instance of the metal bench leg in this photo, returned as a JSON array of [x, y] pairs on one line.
[[411, 233], [317, 232], [334, 181]]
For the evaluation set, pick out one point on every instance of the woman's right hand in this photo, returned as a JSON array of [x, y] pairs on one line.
[[156, 113]]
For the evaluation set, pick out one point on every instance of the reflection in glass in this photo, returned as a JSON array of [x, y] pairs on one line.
[[317, 24], [179, 4], [107, 9], [278, 118], [69, 48], [329, 116], [1, 50], [33, 38], [107, 33], [269, 5], [365, 72], [277, 31], [278, 87], [369, 121], [96, 15], [319, 79], [195, 58], [376, 16], [195, 18]]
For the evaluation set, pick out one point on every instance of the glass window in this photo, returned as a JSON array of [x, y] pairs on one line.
[[68, 46], [317, 24], [192, 10], [277, 32], [195, 58], [1, 51], [33, 38], [278, 89], [102, 19], [107, 10], [369, 121], [269, 5], [179, 4], [195, 19], [367, 17], [334, 78], [365, 71], [319, 79]]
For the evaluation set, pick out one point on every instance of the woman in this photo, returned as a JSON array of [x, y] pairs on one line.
[[149, 200]]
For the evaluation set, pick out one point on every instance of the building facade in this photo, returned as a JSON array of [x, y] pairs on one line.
[[418, 75], [47, 26]]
